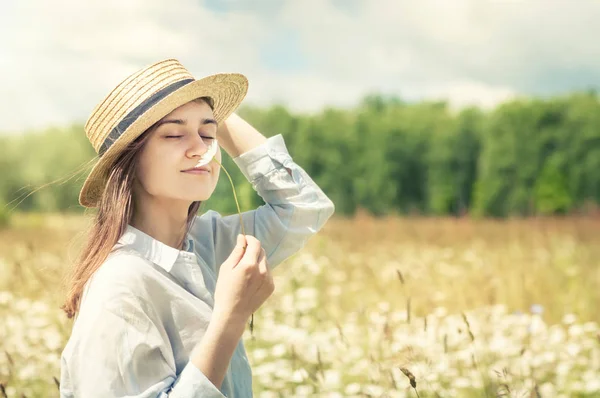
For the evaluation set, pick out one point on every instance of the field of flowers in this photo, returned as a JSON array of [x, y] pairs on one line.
[[370, 308]]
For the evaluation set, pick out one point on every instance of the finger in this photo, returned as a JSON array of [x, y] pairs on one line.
[[238, 251], [262, 262], [252, 250], [241, 241]]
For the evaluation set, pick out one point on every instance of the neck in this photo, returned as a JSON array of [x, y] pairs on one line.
[[165, 222]]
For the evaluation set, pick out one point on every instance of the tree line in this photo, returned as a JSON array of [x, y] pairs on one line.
[[385, 156]]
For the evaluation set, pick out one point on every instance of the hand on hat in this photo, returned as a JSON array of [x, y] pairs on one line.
[[237, 136]]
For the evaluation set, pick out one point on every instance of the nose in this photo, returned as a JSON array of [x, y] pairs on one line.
[[197, 147]]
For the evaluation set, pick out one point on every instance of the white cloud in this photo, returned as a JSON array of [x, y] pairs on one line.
[[468, 93], [64, 56], [302, 92], [467, 51], [59, 58]]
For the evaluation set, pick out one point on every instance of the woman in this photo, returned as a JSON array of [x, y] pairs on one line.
[[151, 317]]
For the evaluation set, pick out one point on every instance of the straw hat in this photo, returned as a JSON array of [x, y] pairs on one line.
[[141, 100]]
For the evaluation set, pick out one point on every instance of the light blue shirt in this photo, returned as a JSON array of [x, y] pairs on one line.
[[149, 304]]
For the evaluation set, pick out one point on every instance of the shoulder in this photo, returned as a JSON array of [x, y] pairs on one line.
[[117, 294], [123, 274], [211, 230], [203, 228], [124, 266], [206, 221]]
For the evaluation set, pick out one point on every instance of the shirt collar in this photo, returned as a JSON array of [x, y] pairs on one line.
[[154, 250]]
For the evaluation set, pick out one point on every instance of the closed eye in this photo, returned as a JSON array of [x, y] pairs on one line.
[[179, 136]]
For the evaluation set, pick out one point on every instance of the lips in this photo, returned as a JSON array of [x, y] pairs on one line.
[[205, 168]]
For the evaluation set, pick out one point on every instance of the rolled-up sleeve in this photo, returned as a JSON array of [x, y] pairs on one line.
[[121, 353], [193, 383], [295, 206]]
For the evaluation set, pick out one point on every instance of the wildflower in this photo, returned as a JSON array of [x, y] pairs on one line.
[[209, 154]]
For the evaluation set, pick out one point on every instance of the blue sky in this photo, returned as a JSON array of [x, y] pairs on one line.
[[59, 58]]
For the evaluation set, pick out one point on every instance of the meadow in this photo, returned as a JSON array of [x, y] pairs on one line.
[[388, 307]]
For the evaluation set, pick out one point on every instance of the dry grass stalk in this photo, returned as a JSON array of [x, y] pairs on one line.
[[411, 378], [535, 392], [341, 332], [321, 367], [400, 276], [393, 379], [468, 326], [503, 390], [445, 343], [473, 358], [10, 360], [387, 331]]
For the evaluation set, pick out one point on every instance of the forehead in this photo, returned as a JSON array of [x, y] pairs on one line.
[[192, 114]]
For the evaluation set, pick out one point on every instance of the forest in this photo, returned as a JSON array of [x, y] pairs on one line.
[[527, 156]]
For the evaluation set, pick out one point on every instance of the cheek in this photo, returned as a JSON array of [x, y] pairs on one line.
[[144, 173], [216, 172], [150, 172]]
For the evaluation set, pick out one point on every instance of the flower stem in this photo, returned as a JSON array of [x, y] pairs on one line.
[[241, 225], [234, 196]]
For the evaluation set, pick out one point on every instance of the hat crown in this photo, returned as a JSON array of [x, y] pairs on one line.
[[129, 94]]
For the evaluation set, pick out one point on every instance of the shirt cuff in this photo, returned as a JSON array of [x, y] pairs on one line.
[[193, 383], [260, 161]]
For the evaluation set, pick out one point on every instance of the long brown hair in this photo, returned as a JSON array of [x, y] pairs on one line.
[[115, 210]]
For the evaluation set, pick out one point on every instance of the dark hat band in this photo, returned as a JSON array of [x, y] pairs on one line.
[[138, 111]]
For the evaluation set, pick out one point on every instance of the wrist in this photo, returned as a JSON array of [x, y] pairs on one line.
[[228, 324]]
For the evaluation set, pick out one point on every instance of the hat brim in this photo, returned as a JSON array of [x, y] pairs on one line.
[[227, 91]]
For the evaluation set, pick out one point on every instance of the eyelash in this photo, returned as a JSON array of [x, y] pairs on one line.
[[178, 136]]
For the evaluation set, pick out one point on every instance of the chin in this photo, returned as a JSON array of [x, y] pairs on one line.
[[201, 197], [197, 194]]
